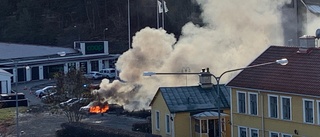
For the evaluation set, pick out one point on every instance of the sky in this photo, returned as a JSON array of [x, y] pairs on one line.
[[235, 33]]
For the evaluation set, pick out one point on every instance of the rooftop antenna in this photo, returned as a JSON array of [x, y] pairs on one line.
[[317, 36]]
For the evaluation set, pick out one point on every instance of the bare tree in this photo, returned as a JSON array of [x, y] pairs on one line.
[[73, 85]]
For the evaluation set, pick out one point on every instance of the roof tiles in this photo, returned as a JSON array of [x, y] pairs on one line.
[[300, 76], [191, 98]]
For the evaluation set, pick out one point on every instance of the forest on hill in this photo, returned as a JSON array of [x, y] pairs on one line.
[[60, 22]]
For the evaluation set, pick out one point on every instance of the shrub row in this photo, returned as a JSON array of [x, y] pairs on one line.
[[88, 130]]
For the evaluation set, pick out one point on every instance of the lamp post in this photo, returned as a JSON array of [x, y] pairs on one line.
[[283, 61], [78, 29], [16, 92], [129, 39], [104, 33]]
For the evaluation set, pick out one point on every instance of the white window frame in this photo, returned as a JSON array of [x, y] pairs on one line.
[[270, 132], [249, 103], [250, 131], [281, 107], [157, 119], [167, 122], [245, 102], [269, 109], [318, 108], [283, 135], [240, 131], [304, 113]]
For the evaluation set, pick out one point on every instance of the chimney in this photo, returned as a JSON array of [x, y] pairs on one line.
[[306, 42], [205, 78]]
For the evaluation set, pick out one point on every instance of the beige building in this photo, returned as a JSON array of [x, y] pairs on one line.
[[190, 111], [275, 100]]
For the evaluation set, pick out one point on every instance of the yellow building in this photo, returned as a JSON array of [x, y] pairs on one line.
[[190, 111], [275, 100]]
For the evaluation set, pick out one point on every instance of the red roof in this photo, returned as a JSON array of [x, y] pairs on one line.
[[300, 76]]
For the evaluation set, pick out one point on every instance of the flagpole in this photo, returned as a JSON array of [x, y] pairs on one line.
[[129, 39], [163, 11], [157, 13]]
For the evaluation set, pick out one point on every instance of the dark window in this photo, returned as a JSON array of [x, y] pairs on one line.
[[241, 102], [286, 110], [273, 104], [253, 104]]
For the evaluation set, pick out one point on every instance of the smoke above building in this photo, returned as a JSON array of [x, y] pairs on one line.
[[236, 32]]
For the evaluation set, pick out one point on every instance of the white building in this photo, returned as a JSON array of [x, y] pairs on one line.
[[36, 62], [5, 81]]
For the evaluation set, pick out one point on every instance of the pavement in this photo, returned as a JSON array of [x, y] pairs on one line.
[[29, 87]]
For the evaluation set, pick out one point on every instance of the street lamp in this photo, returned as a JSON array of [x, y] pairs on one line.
[[283, 61], [104, 33]]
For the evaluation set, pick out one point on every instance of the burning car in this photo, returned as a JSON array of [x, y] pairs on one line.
[[100, 108], [95, 108]]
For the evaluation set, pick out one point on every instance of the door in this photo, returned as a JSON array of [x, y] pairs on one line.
[[211, 128]]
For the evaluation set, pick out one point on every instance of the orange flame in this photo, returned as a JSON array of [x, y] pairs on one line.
[[98, 109]]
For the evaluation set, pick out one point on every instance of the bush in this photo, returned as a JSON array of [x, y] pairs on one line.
[[87, 130]]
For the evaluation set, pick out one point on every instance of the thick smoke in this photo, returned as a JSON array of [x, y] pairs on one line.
[[236, 32], [311, 24]]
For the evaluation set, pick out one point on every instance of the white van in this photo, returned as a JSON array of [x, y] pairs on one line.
[[108, 72]]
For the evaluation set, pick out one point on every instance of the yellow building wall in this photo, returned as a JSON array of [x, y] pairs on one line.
[[159, 105], [227, 132], [182, 125], [275, 124]]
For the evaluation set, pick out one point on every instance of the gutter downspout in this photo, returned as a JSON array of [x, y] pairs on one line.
[[190, 132], [231, 112], [262, 113], [172, 124]]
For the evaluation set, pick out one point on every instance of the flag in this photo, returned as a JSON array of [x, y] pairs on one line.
[[161, 8]]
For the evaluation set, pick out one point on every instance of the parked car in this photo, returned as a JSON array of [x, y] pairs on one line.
[[86, 109], [108, 72], [45, 91], [93, 75], [73, 101]]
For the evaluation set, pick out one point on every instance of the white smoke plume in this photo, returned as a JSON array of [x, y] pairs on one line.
[[311, 24], [236, 32]]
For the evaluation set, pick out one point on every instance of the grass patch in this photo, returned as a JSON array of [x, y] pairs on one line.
[[10, 113]]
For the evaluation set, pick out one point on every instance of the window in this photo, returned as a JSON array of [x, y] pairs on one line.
[[253, 103], [167, 123], [273, 106], [286, 135], [273, 134], [242, 132], [157, 120], [254, 132], [308, 111], [286, 108], [202, 127], [241, 102]]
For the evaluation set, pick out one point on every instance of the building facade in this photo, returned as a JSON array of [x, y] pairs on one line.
[[42, 62], [275, 100], [5, 82], [190, 111]]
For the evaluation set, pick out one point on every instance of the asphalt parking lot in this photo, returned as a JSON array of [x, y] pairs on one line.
[[29, 87], [32, 124]]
